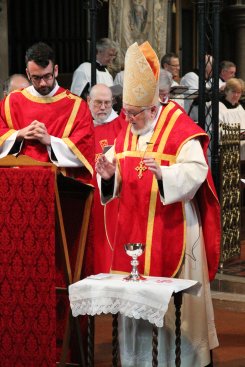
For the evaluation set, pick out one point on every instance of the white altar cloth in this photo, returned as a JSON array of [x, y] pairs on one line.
[[109, 293]]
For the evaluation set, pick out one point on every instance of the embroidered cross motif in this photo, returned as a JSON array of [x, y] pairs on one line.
[[142, 64], [103, 143], [139, 91], [141, 168]]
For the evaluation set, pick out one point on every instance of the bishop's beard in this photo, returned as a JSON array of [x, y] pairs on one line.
[[144, 130]]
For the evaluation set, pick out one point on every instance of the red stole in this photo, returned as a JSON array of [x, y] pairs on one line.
[[142, 217]]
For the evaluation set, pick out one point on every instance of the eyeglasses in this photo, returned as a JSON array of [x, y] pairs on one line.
[[134, 114], [98, 103], [37, 79], [174, 66]]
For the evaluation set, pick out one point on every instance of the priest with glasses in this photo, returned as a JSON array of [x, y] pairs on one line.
[[158, 169]]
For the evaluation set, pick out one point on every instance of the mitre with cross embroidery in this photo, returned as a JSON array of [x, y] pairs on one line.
[[141, 76]]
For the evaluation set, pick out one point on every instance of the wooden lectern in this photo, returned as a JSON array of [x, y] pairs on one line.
[[44, 220]]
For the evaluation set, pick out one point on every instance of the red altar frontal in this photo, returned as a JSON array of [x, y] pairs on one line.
[[44, 222]]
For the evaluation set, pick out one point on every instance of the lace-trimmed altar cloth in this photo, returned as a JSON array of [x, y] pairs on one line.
[[109, 293]]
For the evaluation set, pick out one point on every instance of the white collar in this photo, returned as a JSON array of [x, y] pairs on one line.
[[110, 118], [35, 93]]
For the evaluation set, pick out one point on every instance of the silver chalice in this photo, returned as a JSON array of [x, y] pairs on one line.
[[134, 250]]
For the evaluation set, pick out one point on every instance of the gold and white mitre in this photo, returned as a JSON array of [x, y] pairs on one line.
[[141, 76]]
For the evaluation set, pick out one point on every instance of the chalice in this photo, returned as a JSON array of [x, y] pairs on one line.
[[134, 250]]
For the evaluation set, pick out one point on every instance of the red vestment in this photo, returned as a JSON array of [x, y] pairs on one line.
[[104, 216], [143, 218], [65, 116]]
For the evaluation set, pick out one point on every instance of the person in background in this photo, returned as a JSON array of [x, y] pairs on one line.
[[117, 97], [107, 126], [106, 52], [117, 89], [230, 109], [191, 80], [227, 70], [158, 169], [170, 62], [100, 103], [15, 81], [165, 82], [118, 80]]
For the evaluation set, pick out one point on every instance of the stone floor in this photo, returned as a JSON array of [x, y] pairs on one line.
[[228, 293], [230, 326]]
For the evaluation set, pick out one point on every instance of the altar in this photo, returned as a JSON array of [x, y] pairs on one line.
[[149, 300]]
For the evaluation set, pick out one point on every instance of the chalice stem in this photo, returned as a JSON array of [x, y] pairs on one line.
[[135, 264], [134, 250]]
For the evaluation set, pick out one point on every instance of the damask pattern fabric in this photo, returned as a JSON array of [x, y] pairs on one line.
[[27, 268], [138, 21]]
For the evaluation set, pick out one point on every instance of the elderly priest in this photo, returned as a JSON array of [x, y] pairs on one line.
[[158, 168]]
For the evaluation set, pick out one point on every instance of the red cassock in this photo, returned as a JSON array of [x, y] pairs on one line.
[[65, 116], [143, 218], [104, 216]]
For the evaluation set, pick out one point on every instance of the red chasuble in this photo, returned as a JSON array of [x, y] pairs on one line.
[[104, 216], [143, 218], [65, 116]]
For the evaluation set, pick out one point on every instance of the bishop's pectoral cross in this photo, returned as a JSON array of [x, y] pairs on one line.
[[141, 168]]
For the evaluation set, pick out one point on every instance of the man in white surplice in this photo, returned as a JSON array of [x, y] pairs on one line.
[[156, 167]]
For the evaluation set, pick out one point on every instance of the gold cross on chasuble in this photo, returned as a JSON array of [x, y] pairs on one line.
[[140, 169]]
